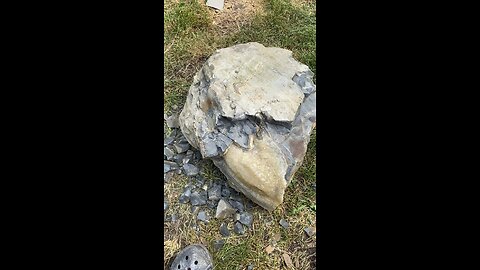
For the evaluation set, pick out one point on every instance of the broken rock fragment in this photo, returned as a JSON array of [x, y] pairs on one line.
[[251, 109]]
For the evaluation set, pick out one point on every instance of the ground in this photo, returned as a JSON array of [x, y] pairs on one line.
[[193, 32]]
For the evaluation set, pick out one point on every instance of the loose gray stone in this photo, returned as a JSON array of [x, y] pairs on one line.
[[224, 210], [218, 244], [217, 4], [168, 141], [246, 219], [250, 267], [238, 228], [212, 204], [202, 216], [165, 206], [185, 160], [172, 121], [190, 170], [185, 196], [236, 196], [310, 231], [167, 177], [181, 147], [193, 208], [198, 198], [168, 153], [226, 192], [224, 230], [178, 158], [169, 166], [284, 223], [237, 205], [255, 123], [215, 192]]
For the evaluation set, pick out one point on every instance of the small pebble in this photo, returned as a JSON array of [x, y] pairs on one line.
[[238, 228], [269, 249], [226, 191], [277, 237], [237, 205], [168, 141], [215, 192], [284, 223], [178, 158], [190, 170], [212, 204], [169, 166], [172, 121], [310, 231], [218, 244], [250, 267], [165, 206], [167, 177], [198, 198], [181, 147], [168, 153], [185, 197], [246, 219], [224, 230], [202, 216]]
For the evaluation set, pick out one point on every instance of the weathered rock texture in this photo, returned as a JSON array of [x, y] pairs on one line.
[[251, 109]]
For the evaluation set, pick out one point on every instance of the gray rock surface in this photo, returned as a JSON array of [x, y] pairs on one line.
[[215, 192], [218, 244], [190, 170], [310, 231], [237, 205], [169, 166], [238, 228], [224, 210], [251, 109], [181, 147], [198, 198], [202, 216], [246, 219], [224, 230], [284, 223]]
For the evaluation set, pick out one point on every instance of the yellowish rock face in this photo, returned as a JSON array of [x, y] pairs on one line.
[[260, 170]]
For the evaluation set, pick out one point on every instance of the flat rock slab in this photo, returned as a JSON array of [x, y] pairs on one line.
[[310, 231], [202, 216], [284, 223], [246, 219], [238, 228], [224, 230], [251, 109], [217, 4], [224, 209]]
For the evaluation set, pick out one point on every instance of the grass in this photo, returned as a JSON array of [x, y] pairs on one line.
[[190, 38]]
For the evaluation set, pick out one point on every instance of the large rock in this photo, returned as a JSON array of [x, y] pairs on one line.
[[251, 109]]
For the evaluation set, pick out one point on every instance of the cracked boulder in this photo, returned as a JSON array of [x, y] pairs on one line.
[[251, 109]]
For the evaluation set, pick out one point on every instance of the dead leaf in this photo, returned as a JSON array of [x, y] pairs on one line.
[[287, 260]]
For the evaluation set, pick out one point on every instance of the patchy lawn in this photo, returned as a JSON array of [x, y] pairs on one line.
[[193, 32]]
